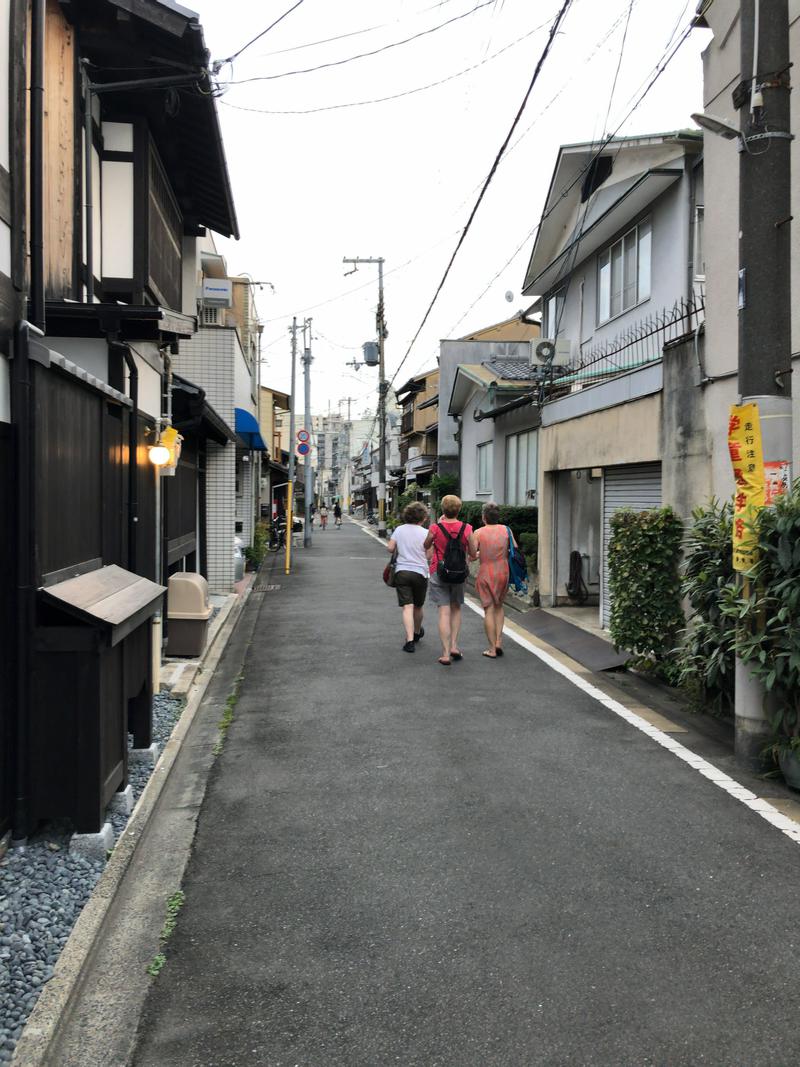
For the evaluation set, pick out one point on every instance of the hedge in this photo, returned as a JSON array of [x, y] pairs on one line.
[[521, 520], [644, 582]]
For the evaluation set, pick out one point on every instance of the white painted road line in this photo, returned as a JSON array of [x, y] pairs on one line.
[[761, 807]]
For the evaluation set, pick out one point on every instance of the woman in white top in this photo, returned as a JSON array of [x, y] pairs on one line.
[[411, 570]]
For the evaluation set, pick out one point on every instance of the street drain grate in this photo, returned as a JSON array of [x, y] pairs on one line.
[[267, 588]]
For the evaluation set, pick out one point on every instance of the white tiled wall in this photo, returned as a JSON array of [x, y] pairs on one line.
[[207, 360], [220, 515]]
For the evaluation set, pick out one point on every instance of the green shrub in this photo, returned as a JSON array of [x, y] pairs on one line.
[[521, 520], [529, 543], [254, 554], [706, 656], [644, 583], [442, 484], [766, 610]]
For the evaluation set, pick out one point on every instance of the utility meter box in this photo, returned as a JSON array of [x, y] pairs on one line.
[[372, 355], [188, 614]]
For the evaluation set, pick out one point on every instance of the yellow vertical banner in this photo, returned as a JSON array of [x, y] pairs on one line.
[[747, 457]]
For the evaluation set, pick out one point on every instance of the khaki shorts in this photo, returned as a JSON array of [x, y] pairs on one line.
[[443, 594], [411, 587]]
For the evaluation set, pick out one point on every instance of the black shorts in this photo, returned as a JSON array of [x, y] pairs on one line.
[[411, 587]]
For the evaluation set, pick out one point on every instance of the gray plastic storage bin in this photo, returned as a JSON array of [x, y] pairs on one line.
[[188, 614]]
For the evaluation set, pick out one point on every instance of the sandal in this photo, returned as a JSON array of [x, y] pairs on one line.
[[456, 655], [489, 654], [498, 651], [445, 662]]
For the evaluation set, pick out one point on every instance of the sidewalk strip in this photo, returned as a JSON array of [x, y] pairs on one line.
[[761, 807]]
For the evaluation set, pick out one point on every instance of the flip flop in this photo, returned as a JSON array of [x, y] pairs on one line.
[[456, 655], [498, 651], [444, 662], [489, 655]]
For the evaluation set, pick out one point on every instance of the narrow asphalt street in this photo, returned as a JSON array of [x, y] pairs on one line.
[[401, 863]]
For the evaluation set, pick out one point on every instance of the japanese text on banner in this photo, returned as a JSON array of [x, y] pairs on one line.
[[747, 457]]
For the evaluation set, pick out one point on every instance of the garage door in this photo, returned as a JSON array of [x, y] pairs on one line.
[[637, 487]]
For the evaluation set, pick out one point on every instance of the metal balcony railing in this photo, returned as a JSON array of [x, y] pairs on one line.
[[636, 346]]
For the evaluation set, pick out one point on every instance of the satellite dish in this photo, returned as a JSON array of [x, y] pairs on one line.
[[510, 297]]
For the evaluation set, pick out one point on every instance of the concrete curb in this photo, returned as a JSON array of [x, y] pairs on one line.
[[60, 992]]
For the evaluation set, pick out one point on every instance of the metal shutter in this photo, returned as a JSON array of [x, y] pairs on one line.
[[637, 487]]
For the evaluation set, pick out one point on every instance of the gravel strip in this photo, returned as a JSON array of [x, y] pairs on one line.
[[43, 889]]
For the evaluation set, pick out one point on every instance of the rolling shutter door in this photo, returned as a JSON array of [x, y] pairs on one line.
[[637, 487]]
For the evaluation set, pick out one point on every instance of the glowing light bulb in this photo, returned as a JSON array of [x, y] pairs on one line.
[[159, 455]]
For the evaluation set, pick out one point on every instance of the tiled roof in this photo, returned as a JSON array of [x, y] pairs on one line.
[[509, 370]]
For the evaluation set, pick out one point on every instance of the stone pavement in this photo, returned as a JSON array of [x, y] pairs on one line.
[[402, 863]]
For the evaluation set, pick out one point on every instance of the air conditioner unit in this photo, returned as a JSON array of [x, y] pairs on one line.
[[545, 351]]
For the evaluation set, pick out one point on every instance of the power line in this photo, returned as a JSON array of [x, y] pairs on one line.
[[342, 36], [221, 63], [666, 58], [362, 55], [545, 52], [393, 96]]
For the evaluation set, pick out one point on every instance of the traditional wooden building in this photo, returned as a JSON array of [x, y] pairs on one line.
[[105, 184]]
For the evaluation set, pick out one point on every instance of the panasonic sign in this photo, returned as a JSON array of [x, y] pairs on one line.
[[217, 292]]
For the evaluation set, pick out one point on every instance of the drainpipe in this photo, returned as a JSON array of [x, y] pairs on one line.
[[26, 576], [88, 183], [22, 417], [133, 449], [36, 180]]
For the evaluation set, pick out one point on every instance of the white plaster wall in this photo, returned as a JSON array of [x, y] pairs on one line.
[[473, 434], [242, 380], [149, 389], [90, 353], [117, 237], [668, 280], [721, 63]]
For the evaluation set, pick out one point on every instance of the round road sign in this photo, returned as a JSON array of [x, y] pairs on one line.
[[303, 448], [303, 436]]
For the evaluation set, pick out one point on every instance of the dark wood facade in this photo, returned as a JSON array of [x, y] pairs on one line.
[[7, 628]]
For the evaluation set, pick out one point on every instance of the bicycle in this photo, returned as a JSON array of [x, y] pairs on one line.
[[277, 536]]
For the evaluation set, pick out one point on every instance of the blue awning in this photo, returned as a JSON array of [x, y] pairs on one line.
[[247, 428]]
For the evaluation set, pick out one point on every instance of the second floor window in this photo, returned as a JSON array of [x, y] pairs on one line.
[[623, 273], [484, 465], [553, 314]]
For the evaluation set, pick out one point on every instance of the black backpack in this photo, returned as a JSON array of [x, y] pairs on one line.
[[453, 567]]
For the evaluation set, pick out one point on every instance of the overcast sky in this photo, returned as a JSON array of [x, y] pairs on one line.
[[398, 178]]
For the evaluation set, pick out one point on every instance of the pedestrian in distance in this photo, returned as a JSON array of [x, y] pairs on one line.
[[323, 516], [453, 544], [491, 582], [411, 570], [337, 514]]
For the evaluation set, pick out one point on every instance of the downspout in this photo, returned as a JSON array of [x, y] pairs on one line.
[[36, 179], [26, 576], [133, 450], [22, 418], [88, 183]]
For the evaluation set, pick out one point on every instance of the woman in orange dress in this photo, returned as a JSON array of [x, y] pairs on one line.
[[491, 581]]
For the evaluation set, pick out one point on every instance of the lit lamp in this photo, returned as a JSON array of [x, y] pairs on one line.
[[159, 455]]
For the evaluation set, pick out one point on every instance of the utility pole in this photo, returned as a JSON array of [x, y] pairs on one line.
[[380, 322], [346, 400], [764, 279], [290, 486], [309, 483]]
